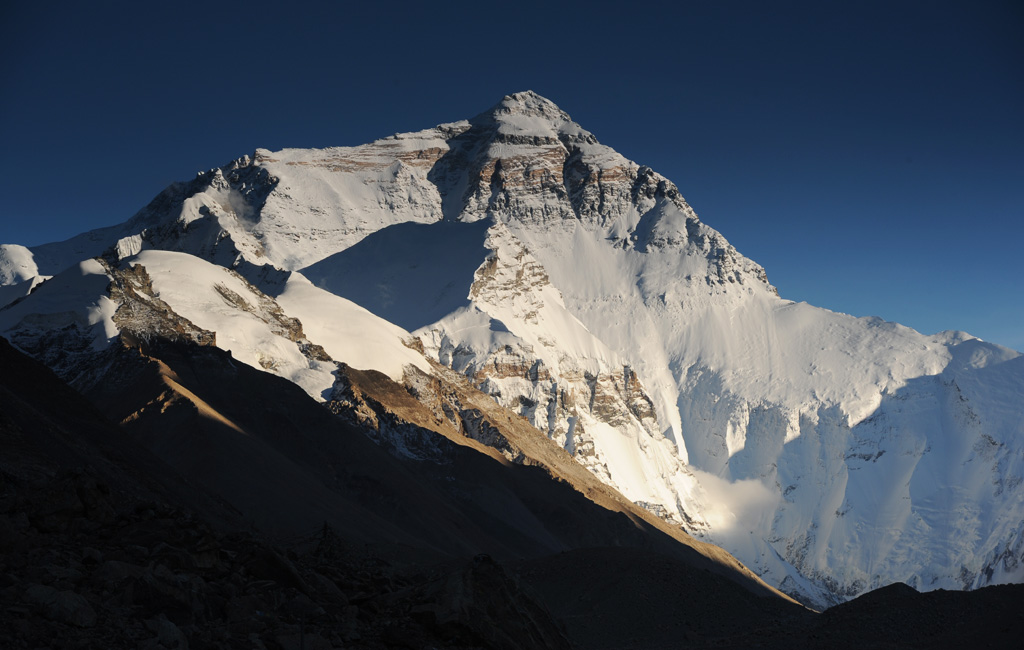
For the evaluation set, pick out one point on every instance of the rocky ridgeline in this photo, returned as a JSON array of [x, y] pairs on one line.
[[142, 316]]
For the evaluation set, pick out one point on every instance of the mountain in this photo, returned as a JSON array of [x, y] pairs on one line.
[[830, 454]]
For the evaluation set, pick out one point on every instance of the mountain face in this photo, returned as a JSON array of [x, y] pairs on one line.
[[579, 290]]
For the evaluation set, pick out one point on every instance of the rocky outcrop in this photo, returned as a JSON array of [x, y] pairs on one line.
[[389, 416], [142, 316]]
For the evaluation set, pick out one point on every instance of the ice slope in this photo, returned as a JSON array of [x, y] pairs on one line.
[[829, 453]]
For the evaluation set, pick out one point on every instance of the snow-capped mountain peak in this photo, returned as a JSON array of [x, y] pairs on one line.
[[579, 289], [528, 115]]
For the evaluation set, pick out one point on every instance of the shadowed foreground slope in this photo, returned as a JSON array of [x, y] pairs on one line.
[[96, 545], [201, 523]]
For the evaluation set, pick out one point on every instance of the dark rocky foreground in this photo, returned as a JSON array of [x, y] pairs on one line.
[[85, 567], [103, 545]]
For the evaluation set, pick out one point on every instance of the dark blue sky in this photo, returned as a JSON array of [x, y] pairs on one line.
[[869, 155]]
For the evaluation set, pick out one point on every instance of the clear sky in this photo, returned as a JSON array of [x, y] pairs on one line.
[[870, 155]]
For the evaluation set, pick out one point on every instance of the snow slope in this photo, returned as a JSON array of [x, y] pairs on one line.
[[348, 332], [74, 299], [76, 314], [831, 454], [245, 323]]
